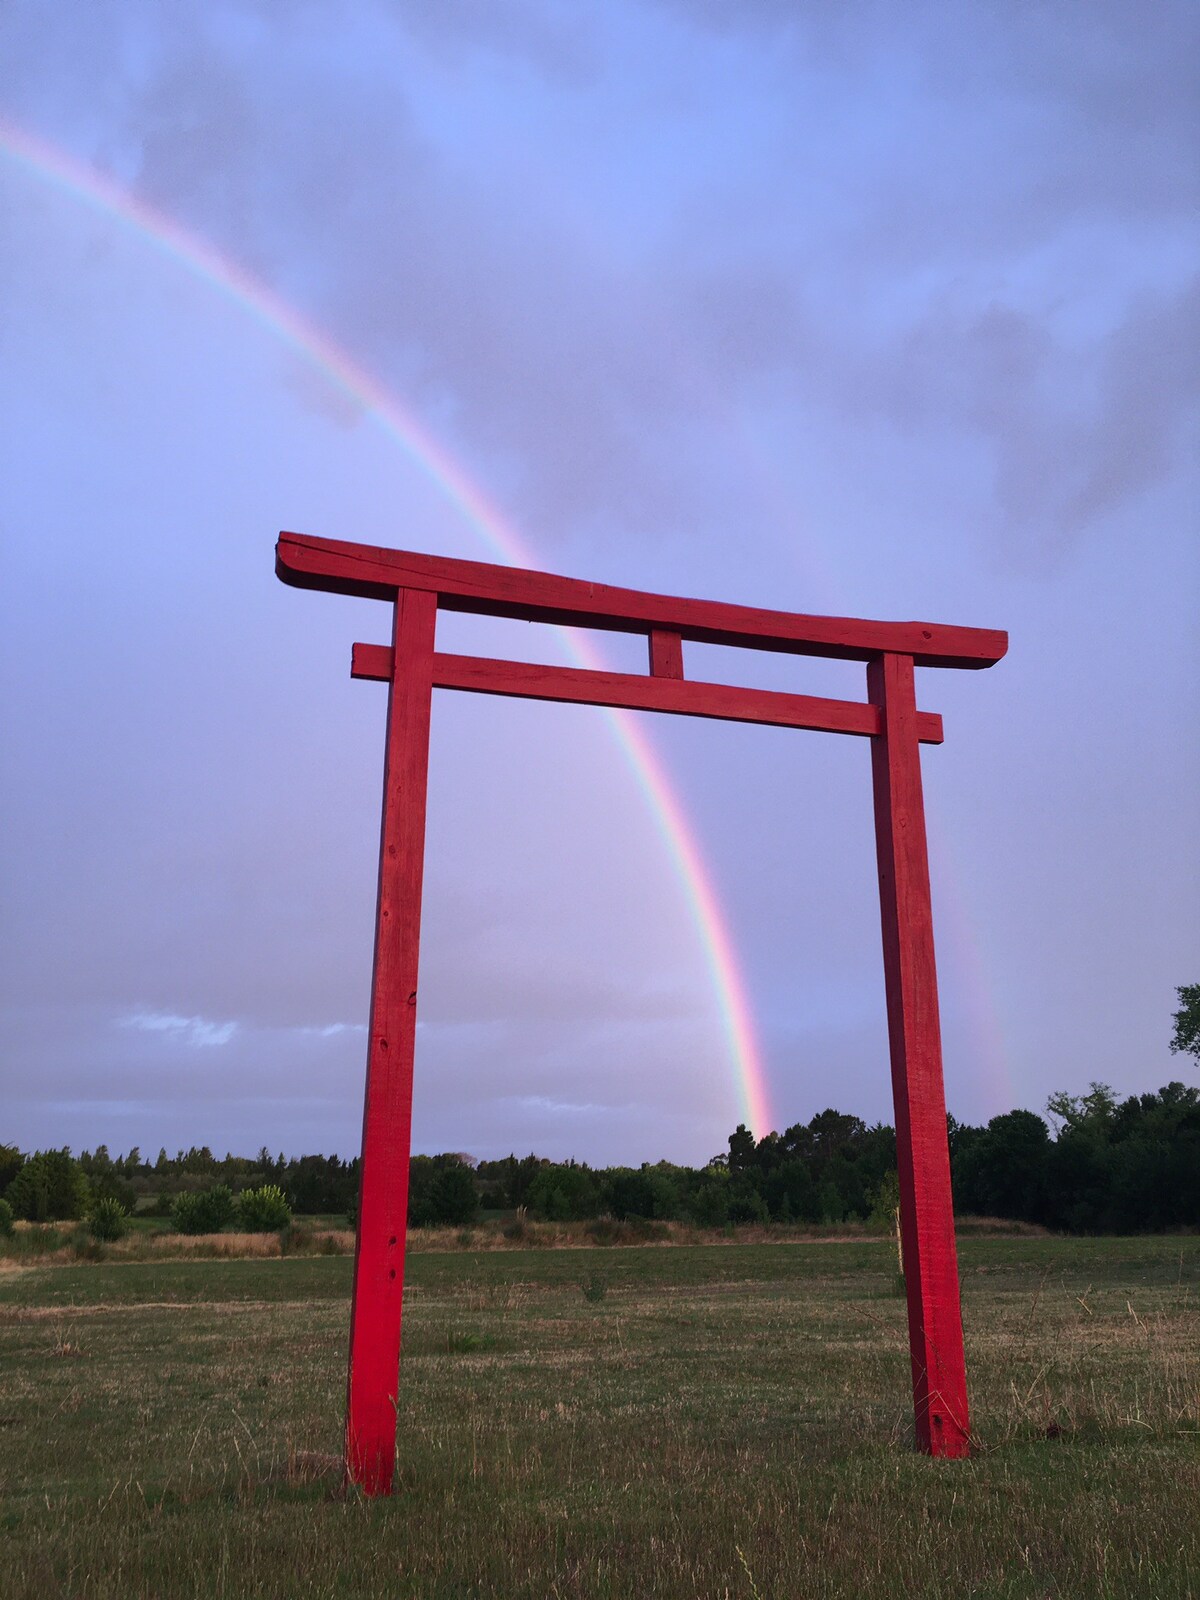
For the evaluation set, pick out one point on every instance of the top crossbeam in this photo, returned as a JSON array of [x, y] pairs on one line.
[[481, 587]]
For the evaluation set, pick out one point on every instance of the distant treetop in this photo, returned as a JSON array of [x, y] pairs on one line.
[[1187, 1021]]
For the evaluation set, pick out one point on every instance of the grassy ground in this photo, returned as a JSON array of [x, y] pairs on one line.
[[698, 1421], [156, 1239]]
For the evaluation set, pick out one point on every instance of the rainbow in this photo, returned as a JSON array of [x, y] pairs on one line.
[[53, 165]]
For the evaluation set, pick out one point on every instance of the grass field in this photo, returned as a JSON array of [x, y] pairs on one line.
[[723, 1420]]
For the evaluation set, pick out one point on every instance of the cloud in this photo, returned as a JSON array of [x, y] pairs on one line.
[[1147, 389], [897, 189], [198, 1032], [557, 44], [332, 1029]]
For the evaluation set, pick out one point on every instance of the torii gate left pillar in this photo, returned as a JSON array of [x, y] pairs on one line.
[[417, 585], [378, 1294]]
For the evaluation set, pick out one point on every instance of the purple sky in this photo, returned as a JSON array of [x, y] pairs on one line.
[[889, 311]]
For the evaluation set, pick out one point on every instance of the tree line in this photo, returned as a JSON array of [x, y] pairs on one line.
[[1099, 1165]]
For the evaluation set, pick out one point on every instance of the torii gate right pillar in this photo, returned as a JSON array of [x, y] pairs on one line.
[[935, 1332]]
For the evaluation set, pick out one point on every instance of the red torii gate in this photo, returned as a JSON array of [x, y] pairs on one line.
[[417, 585]]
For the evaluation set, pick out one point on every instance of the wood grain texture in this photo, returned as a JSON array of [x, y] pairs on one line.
[[666, 653], [387, 1112], [923, 1158], [478, 586], [631, 692]]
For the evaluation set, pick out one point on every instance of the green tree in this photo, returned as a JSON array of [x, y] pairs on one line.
[[1093, 1112], [452, 1197], [1003, 1172], [108, 1184], [746, 1204], [50, 1187], [710, 1201], [519, 1176], [741, 1148], [791, 1193], [564, 1193], [649, 1192], [11, 1162], [1187, 1021]]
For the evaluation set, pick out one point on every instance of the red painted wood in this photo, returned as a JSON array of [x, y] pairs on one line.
[[631, 692], [926, 1210], [477, 586], [419, 584], [387, 1113], [666, 653]]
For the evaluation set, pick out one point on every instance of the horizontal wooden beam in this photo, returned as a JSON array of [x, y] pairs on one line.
[[630, 692], [375, 573]]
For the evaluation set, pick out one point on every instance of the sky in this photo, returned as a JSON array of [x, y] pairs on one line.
[[878, 310]]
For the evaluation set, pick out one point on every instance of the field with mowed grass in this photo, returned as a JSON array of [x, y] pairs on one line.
[[718, 1420]]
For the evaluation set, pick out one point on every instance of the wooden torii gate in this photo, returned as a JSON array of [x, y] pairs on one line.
[[417, 585]]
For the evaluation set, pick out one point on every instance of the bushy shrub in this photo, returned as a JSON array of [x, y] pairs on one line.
[[263, 1210], [594, 1287], [746, 1204], [50, 1187], [206, 1211], [6, 1220], [108, 1219]]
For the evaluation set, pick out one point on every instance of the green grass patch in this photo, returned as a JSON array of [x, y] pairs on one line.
[[719, 1420]]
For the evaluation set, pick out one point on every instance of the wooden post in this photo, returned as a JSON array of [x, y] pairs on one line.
[[926, 1209], [387, 1113], [666, 653]]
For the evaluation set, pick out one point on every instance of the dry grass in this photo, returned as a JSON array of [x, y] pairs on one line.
[[63, 1244], [633, 1234]]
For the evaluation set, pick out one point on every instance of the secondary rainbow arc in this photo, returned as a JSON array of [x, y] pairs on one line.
[[674, 828]]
